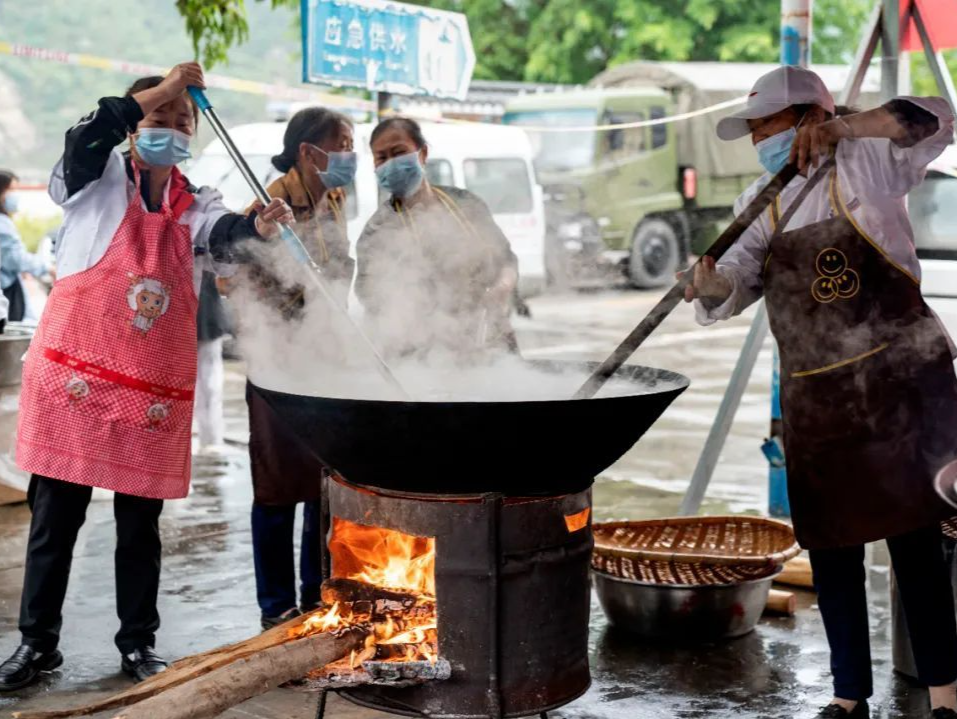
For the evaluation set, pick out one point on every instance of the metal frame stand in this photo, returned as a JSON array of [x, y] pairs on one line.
[[321, 707], [708, 459]]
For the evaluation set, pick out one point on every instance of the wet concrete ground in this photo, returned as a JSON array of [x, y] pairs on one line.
[[208, 590]]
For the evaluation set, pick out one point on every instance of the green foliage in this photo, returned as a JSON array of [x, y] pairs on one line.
[[571, 41], [214, 26]]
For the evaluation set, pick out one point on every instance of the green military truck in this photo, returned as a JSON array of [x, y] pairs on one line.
[[641, 200]]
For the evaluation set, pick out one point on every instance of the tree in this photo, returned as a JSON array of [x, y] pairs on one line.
[[499, 33], [570, 41], [214, 26]]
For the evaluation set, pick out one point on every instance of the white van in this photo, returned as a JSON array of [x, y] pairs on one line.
[[931, 207], [493, 161]]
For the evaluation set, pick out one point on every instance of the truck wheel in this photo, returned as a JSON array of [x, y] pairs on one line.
[[655, 255]]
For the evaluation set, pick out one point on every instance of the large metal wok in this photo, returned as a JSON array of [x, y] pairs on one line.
[[516, 448]]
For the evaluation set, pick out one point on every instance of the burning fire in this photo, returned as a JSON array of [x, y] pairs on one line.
[[385, 580], [383, 557]]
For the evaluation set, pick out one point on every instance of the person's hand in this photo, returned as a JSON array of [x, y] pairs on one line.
[[816, 142], [707, 283], [267, 217], [499, 295], [181, 77]]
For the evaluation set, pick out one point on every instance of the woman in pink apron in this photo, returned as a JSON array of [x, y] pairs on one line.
[[107, 394], [868, 390]]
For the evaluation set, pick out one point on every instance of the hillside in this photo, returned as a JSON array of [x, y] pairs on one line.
[[40, 100]]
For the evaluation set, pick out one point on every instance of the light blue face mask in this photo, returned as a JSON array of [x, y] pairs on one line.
[[340, 170], [774, 151], [401, 176], [11, 203], [162, 146]]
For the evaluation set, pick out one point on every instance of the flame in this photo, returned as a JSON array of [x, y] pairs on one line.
[[416, 635], [390, 560], [383, 557]]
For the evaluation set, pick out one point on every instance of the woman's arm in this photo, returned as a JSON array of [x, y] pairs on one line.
[[898, 139], [725, 289], [224, 231], [15, 258], [90, 142]]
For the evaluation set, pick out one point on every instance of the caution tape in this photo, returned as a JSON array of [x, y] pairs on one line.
[[222, 82]]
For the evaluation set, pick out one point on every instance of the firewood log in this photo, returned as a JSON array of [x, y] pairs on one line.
[[797, 573], [178, 672], [779, 602], [375, 601], [213, 693], [349, 590]]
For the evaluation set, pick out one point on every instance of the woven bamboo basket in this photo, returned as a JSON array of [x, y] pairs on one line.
[[693, 551]]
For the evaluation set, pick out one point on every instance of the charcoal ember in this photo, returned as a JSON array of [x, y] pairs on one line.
[[420, 671], [374, 673], [395, 651]]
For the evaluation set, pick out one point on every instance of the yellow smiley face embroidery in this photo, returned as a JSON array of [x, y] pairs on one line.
[[831, 262], [836, 280]]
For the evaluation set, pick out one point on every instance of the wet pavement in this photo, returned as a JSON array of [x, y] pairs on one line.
[[207, 593]]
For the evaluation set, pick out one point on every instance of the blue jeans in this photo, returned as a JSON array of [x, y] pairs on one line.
[[274, 557]]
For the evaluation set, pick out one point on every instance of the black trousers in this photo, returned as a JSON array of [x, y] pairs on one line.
[[59, 510], [923, 579]]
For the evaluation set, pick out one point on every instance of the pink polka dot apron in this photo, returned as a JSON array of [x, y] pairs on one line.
[[107, 395]]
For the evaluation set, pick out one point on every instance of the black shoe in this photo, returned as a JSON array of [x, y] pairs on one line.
[[943, 713], [143, 663], [270, 622], [25, 665], [834, 711]]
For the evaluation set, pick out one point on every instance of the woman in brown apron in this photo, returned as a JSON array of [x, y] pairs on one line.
[[318, 163], [435, 274], [868, 390]]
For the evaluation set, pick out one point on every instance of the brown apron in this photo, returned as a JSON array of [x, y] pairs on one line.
[[284, 470], [868, 391]]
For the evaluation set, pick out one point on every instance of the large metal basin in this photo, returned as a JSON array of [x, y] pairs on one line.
[[13, 344], [680, 612], [533, 448]]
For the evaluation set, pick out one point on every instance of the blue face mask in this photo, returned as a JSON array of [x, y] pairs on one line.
[[11, 203], [162, 146], [774, 151], [402, 176], [340, 170]]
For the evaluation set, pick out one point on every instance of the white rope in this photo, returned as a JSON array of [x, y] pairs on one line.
[[590, 128]]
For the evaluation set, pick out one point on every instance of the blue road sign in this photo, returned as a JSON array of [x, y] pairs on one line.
[[386, 46]]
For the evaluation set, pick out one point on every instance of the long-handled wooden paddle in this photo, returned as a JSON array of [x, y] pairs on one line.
[[674, 296]]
